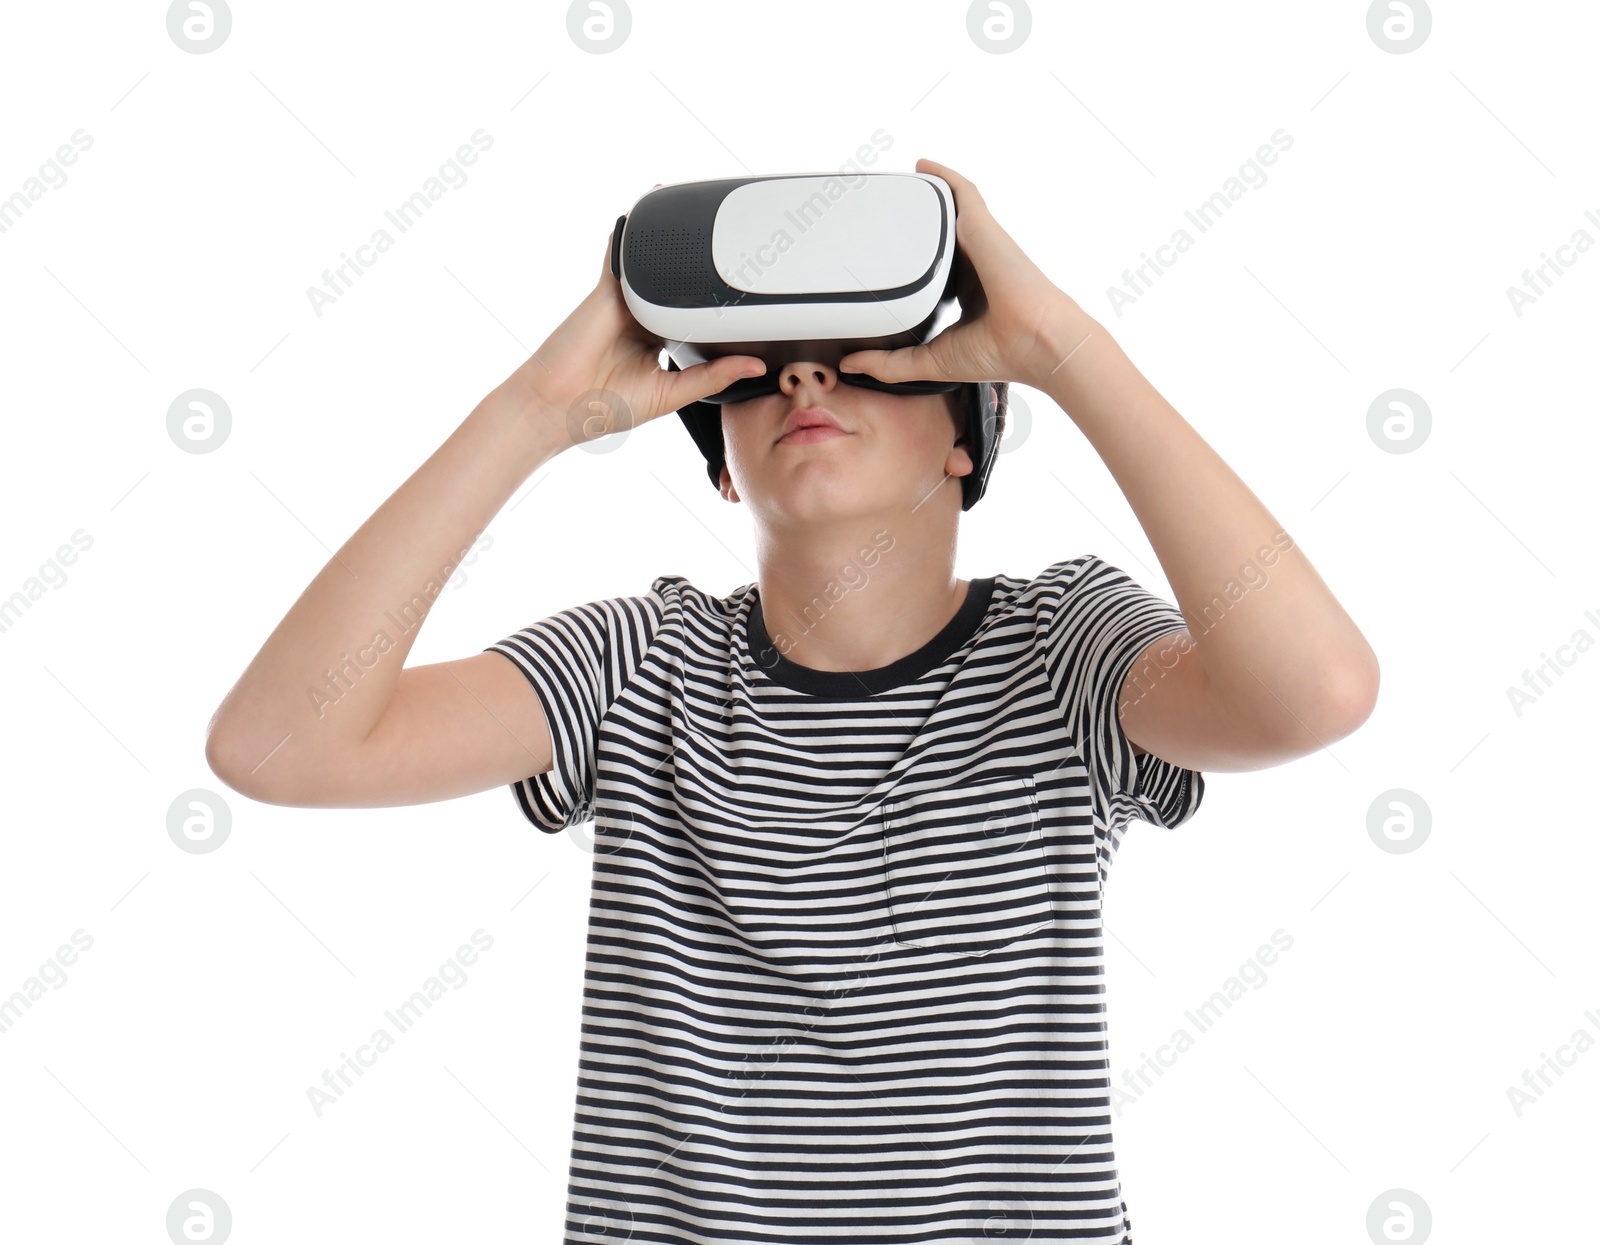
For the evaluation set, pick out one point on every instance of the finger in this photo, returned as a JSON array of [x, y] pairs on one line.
[[978, 232], [704, 379], [894, 366], [605, 263], [969, 289], [963, 188]]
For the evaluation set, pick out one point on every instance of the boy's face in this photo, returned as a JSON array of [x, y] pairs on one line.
[[892, 455]]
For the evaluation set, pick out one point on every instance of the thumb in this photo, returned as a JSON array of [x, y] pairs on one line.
[[704, 379], [895, 366]]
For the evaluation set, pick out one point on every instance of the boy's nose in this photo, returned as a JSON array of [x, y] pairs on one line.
[[794, 374]]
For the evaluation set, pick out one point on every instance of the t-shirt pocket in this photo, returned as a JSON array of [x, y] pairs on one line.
[[965, 866]]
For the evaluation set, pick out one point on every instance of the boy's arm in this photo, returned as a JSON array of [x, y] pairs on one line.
[[327, 714], [1260, 676], [1271, 667]]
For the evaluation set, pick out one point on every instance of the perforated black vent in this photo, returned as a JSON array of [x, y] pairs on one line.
[[677, 259]]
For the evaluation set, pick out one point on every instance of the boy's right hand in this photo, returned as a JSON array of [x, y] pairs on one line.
[[598, 372]]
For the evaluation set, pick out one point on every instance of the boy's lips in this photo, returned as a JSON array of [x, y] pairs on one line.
[[817, 432], [799, 425]]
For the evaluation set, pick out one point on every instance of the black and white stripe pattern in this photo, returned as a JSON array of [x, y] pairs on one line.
[[844, 975]]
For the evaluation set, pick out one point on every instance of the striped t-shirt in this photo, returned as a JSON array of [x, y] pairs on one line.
[[844, 978]]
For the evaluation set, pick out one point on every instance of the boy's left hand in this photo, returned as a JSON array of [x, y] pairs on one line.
[[1012, 315]]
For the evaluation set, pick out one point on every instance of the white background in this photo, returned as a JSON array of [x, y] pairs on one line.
[[1377, 1054]]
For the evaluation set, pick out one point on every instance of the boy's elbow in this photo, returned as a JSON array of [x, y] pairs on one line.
[[227, 762], [222, 761], [1352, 695]]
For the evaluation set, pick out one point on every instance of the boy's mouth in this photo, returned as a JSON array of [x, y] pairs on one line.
[[814, 423]]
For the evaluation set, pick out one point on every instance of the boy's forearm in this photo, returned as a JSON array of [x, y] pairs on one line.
[[323, 678], [1269, 629]]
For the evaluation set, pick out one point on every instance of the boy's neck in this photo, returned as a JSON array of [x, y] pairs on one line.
[[853, 617]]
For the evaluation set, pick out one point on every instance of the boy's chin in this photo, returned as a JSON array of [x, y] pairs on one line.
[[818, 499]]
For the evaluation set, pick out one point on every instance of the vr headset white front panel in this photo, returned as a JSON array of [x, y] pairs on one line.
[[785, 235]]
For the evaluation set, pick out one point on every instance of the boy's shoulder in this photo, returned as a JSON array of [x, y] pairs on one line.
[[1055, 582]]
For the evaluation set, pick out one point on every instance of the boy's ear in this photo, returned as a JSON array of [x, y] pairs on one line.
[[963, 453], [955, 404]]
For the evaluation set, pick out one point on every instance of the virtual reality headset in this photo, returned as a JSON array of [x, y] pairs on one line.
[[798, 267]]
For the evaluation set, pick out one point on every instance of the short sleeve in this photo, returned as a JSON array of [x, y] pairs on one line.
[[579, 661], [1094, 622]]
